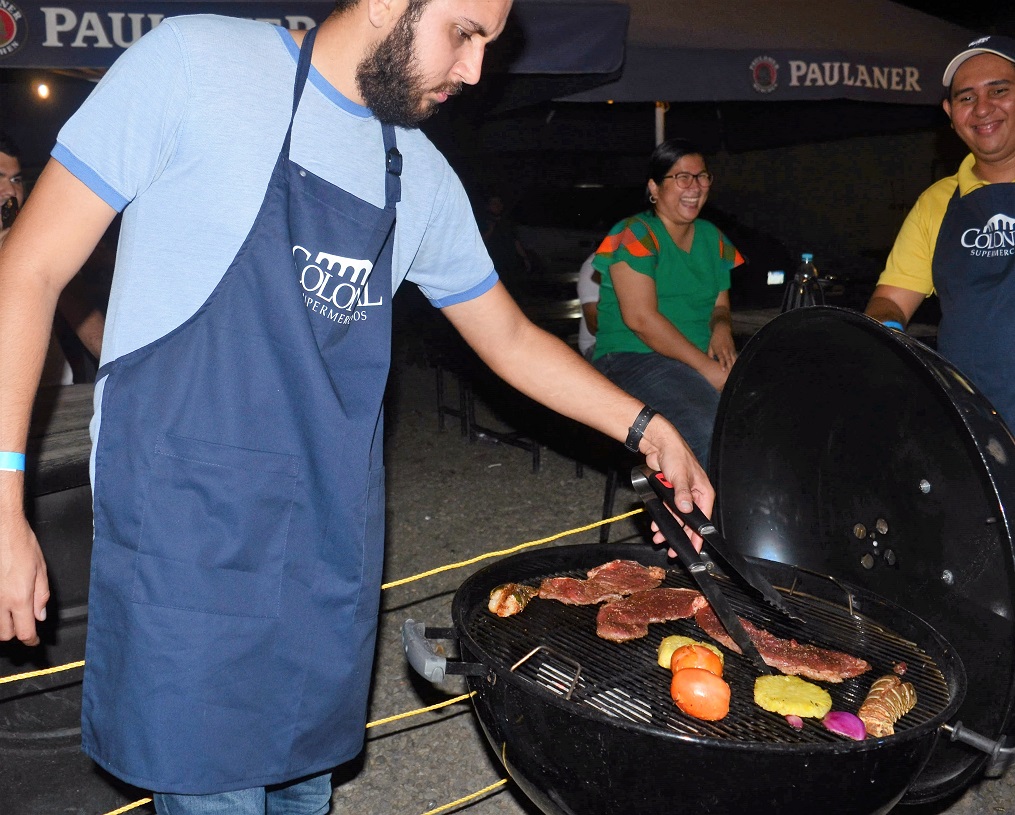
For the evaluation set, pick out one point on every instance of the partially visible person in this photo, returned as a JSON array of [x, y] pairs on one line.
[[12, 184], [588, 297], [276, 192], [665, 330], [507, 252], [959, 238], [75, 312]]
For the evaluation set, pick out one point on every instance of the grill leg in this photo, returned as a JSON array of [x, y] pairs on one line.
[[609, 496]]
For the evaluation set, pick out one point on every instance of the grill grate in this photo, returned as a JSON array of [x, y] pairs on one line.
[[624, 682]]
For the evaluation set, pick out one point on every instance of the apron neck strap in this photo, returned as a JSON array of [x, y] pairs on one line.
[[393, 167], [302, 72], [392, 158]]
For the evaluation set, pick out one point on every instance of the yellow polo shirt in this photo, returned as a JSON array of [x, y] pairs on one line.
[[909, 264]]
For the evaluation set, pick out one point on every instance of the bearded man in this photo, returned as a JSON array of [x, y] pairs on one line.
[[275, 194]]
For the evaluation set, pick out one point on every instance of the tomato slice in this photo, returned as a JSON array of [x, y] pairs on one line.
[[700, 693]]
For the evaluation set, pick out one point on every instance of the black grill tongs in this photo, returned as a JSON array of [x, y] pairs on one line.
[[657, 494], [696, 519], [642, 478]]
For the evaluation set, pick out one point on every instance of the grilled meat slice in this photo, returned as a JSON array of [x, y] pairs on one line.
[[628, 618], [510, 598], [788, 656], [610, 581]]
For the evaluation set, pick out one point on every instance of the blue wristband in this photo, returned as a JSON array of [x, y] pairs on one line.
[[893, 324], [14, 462]]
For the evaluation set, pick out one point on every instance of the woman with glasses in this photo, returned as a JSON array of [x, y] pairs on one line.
[[665, 332]]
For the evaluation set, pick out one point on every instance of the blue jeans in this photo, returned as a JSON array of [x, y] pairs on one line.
[[676, 390], [308, 796]]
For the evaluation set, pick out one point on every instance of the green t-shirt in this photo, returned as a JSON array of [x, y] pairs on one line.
[[687, 284]]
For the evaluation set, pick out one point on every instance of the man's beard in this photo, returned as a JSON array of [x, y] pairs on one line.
[[389, 81]]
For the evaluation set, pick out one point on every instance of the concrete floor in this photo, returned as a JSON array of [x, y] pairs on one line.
[[448, 500]]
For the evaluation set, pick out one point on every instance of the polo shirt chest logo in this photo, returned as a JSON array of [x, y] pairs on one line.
[[334, 286]]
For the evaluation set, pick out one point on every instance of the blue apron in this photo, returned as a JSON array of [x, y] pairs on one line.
[[239, 499], [974, 275]]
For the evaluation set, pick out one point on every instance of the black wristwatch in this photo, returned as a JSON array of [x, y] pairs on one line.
[[638, 428]]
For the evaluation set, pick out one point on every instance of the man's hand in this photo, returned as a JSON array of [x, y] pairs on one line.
[[24, 583], [665, 450]]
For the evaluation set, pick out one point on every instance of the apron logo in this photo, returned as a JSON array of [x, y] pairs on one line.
[[996, 239], [334, 286]]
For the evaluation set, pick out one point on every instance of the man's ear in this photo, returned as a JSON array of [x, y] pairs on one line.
[[947, 105], [382, 13]]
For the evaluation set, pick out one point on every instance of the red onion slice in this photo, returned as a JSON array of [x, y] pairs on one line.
[[795, 722], [845, 724]]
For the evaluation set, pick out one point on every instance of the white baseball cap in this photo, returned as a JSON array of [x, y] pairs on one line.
[[994, 44]]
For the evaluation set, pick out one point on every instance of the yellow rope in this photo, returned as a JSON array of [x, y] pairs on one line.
[[510, 551], [129, 807], [30, 674], [460, 801], [416, 712]]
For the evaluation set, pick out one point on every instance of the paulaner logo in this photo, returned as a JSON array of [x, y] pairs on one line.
[[764, 74], [335, 286], [12, 28], [996, 239], [903, 78]]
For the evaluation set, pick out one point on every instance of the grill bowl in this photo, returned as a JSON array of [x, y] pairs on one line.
[[619, 745]]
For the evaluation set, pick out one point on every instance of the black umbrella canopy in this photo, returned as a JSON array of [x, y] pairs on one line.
[[542, 37], [793, 50]]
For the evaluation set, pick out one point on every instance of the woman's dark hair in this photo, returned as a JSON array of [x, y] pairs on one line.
[[8, 146], [667, 154]]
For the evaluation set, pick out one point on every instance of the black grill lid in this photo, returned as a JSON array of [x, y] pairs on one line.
[[847, 448]]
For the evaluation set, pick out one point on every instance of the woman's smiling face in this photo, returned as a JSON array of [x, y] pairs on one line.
[[680, 206]]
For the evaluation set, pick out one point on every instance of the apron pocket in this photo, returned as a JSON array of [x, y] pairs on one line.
[[215, 528]]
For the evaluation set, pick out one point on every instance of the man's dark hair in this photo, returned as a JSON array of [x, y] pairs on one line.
[[667, 154], [8, 146]]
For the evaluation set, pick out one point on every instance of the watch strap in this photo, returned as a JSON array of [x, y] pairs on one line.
[[637, 429]]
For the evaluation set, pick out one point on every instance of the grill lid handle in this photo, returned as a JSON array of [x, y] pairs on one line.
[[424, 657], [1001, 757]]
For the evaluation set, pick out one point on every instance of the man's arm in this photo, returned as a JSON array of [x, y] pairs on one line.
[[546, 369], [893, 304], [53, 236], [591, 313]]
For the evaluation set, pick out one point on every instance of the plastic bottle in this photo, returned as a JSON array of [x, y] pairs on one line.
[[805, 290], [808, 271]]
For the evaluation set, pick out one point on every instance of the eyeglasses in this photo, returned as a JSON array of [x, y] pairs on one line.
[[683, 180]]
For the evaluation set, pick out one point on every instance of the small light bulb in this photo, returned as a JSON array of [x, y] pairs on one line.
[[42, 89]]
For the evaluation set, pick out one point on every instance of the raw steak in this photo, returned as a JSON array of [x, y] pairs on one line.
[[628, 619]]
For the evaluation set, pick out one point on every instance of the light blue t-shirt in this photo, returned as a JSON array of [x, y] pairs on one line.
[[182, 134]]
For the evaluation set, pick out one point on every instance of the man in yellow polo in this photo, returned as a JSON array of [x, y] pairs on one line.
[[959, 238]]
